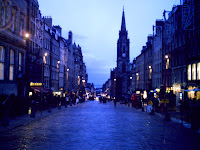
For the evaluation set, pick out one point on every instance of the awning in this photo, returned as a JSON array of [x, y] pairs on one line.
[[190, 90], [41, 89]]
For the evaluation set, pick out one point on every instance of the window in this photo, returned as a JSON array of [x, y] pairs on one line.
[[3, 13], [193, 71], [11, 69], [21, 27], [2, 61], [20, 61], [13, 25], [198, 71], [189, 72]]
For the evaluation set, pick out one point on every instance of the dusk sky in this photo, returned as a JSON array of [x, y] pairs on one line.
[[96, 23]]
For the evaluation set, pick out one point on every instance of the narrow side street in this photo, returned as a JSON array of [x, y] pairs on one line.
[[94, 125]]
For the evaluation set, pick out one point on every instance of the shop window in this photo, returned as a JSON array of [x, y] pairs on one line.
[[198, 71], [2, 61], [189, 72], [193, 71]]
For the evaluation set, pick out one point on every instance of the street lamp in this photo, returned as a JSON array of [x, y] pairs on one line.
[[150, 72], [58, 66], [43, 63], [137, 78], [67, 79], [167, 61], [27, 35]]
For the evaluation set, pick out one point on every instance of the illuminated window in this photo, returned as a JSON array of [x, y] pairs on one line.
[[11, 69], [189, 72], [194, 72], [198, 71], [20, 61], [2, 61]]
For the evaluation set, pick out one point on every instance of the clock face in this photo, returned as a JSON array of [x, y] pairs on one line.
[[124, 55]]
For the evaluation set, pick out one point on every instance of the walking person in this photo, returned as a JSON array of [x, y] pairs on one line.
[[115, 102], [67, 101]]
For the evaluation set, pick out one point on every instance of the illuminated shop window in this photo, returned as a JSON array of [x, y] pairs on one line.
[[194, 72], [189, 72], [2, 61], [198, 71]]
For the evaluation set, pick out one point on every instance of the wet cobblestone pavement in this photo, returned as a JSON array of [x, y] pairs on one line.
[[93, 125]]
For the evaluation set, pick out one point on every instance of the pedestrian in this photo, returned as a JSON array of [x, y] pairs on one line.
[[149, 106], [67, 100], [77, 100], [115, 102]]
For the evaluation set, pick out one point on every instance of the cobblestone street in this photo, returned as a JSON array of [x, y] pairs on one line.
[[94, 125]]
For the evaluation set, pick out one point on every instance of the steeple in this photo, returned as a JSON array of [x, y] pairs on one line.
[[123, 25]]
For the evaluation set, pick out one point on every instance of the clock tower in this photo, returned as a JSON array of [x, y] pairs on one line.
[[123, 48], [122, 70]]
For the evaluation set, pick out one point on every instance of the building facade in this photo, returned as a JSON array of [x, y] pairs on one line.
[[34, 57], [13, 48]]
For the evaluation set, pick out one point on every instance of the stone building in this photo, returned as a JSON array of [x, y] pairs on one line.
[[13, 50], [47, 52], [34, 57], [55, 60], [79, 70], [192, 43], [70, 83], [157, 47]]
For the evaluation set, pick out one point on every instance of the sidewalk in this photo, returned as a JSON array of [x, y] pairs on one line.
[[26, 119], [175, 116]]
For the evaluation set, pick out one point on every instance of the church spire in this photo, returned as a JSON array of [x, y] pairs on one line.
[[123, 25]]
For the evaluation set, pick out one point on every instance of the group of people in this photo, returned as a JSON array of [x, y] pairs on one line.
[[73, 99]]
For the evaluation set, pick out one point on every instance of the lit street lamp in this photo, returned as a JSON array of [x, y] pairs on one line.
[[43, 63], [58, 66]]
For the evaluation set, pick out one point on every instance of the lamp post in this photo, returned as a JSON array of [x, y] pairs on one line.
[[32, 107], [137, 78], [68, 80], [58, 73], [58, 67], [43, 64]]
